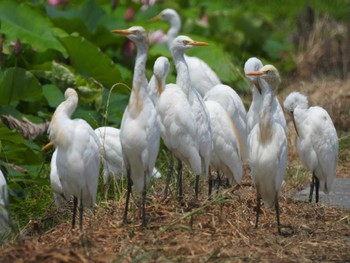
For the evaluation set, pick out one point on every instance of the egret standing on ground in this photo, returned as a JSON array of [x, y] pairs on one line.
[[226, 147], [317, 143], [202, 77], [267, 145], [139, 132], [78, 158], [178, 48]]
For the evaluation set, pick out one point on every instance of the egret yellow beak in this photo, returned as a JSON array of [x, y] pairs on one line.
[[48, 146], [159, 87], [121, 31], [199, 44], [155, 19], [255, 73]]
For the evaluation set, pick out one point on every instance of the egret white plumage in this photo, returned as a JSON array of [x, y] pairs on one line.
[[233, 105], [157, 81], [4, 200], [202, 77], [55, 181], [317, 142], [112, 154], [202, 120], [267, 145], [78, 159], [139, 132], [254, 64], [226, 147]]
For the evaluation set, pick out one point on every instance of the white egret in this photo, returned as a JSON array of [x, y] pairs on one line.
[[254, 64], [157, 81], [55, 182], [178, 48], [226, 147], [139, 132], [4, 200], [317, 143], [233, 105], [78, 159], [112, 154], [267, 145], [202, 77]]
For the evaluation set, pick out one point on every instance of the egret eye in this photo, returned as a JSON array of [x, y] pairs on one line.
[[185, 42], [136, 32], [267, 71]]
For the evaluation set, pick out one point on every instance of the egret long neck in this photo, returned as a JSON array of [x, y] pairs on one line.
[[139, 83], [139, 79], [175, 26], [266, 120], [60, 119], [183, 76]]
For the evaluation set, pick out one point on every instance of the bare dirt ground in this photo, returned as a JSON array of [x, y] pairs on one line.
[[218, 230]]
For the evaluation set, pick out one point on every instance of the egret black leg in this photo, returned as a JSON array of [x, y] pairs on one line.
[[75, 203], [257, 209], [210, 183], [81, 210], [312, 185], [196, 189], [277, 207], [317, 183], [144, 192], [168, 176], [218, 176], [125, 217], [179, 181]]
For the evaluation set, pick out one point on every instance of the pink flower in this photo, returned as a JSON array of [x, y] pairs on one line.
[[157, 37], [57, 2]]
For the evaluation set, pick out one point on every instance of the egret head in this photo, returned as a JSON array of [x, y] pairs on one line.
[[183, 43], [293, 100], [161, 67], [167, 14], [70, 93], [134, 33], [268, 73], [160, 71]]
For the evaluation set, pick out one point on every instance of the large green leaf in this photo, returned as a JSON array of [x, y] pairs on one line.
[[18, 84], [18, 21], [91, 62]]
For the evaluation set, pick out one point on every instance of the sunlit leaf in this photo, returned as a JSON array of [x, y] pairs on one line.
[[90, 61], [19, 21]]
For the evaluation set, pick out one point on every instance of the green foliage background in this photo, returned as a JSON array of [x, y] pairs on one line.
[[45, 49]]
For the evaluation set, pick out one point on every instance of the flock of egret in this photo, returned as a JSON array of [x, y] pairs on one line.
[[202, 123]]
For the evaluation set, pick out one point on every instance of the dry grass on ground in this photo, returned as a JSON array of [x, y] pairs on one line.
[[220, 230], [216, 231]]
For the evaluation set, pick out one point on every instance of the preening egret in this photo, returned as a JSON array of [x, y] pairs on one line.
[[267, 145], [202, 77], [139, 132], [233, 105], [4, 200], [254, 64], [78, 159], [178, 48], [112, 154], [317, 143], [157, 81], [55, 182], [226, 147]]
